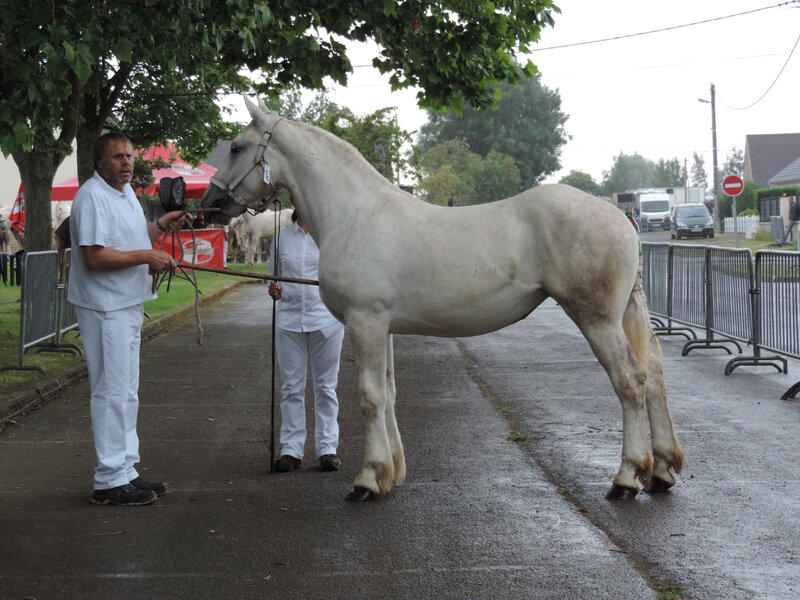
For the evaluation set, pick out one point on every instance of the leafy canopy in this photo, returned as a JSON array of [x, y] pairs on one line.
[[66, 65], [527, 125]]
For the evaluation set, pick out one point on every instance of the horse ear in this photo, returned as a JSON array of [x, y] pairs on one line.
[[252, 108], [262, 105]]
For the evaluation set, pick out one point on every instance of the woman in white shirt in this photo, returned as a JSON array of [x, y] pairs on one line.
[[305, 332]]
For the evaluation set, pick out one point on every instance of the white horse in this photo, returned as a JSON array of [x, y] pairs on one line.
[[390, 263], [251, 229], [59, 211]]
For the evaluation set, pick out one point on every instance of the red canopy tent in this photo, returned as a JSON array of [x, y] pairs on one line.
[[196, 178]]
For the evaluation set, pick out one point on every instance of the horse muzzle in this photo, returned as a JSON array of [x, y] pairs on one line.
[[216, 197]]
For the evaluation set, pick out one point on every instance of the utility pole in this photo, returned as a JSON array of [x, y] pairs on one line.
[[717, 222], [712, 102]]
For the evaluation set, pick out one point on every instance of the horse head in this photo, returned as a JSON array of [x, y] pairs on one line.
[[246, 178]]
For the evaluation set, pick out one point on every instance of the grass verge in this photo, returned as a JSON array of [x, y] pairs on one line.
[[171, 298]]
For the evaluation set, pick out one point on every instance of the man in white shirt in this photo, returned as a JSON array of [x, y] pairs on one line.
[[305, 332], [112, 256]]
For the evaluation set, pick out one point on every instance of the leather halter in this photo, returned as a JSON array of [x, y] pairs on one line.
[[258, 160]]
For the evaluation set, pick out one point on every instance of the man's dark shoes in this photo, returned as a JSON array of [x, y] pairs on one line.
[[124, 495], [330, 462], [156, 486], [287, 463]]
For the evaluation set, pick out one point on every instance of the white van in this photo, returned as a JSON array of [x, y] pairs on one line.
[[654, 210]]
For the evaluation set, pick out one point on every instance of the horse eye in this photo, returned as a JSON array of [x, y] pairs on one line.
[[235, 149]]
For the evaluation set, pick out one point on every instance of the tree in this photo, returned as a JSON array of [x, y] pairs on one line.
[[582, 181], [734, 163], [451, 174], [65, 65], [668, 173], [629, 172], [527, 125], [699, 176]]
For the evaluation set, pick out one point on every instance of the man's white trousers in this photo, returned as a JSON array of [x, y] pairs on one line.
[[322, 350], [111, 343]]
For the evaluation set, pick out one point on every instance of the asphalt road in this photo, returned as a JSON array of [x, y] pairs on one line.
[[480, 516]]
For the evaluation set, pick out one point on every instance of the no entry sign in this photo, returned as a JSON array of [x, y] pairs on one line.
[[733, 185]]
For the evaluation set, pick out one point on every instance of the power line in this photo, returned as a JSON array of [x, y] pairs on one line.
[[788, 58], [630, 35]]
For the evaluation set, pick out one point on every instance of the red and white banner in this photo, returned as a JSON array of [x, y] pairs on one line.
[[208, 250], [17, 216]]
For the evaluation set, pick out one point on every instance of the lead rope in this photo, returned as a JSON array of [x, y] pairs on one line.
[[192, 279], [275, 261]]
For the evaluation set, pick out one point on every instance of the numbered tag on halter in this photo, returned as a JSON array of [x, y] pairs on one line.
[[266, 173]]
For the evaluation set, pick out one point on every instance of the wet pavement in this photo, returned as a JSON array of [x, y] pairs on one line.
[[479, 516]]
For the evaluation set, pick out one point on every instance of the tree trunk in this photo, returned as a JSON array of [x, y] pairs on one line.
[[38, 170], [85, 137]]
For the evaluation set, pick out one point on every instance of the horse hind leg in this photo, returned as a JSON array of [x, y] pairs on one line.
[[668, 454], [628, 376]]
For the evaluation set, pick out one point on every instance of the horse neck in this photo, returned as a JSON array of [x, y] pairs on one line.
[[328, 180]]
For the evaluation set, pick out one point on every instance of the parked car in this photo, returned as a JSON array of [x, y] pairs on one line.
[[691, 220]]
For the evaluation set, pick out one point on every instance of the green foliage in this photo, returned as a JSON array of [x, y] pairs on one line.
[[629, 172], [698, 170], [668, 173], [582, 181], [66, 65], [451, 174], [734, 163], [527, 125], [781, 191]]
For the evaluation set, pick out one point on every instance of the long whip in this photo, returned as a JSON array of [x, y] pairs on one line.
[[275, 261]]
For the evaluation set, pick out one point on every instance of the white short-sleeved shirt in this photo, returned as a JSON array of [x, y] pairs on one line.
[[300, 307], [104, 216]]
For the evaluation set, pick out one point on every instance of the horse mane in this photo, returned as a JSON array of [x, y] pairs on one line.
[[352, 158]]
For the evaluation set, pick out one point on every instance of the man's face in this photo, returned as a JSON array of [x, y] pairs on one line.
[[116, 167]]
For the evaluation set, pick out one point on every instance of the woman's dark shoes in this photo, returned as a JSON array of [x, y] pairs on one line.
[[330, 462], [287, 463]]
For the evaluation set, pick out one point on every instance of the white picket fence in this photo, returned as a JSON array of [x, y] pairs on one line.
[[746, 225]]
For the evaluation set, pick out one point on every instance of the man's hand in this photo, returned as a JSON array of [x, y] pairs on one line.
[[161, 262], [173, 220], [275, 290]]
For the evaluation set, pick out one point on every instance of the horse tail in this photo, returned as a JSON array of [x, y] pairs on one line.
[[636, 322]]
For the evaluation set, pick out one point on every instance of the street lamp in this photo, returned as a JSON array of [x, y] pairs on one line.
[[717, 225]]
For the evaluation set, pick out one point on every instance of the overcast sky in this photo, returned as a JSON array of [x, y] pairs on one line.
[[640, 93]]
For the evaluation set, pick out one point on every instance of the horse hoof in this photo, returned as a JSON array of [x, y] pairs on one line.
[[656, 485], [360, 494], [620, 492]]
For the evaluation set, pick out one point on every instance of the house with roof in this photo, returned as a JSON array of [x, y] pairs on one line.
[[772, 161], [766, 155]]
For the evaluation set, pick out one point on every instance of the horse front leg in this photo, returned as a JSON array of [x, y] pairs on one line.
[[377, 474], [395, 442]]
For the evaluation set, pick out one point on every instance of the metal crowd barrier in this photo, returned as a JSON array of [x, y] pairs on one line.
[[728, 293], [41, 312]]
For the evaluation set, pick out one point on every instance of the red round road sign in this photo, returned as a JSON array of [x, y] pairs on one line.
[[733, 185]]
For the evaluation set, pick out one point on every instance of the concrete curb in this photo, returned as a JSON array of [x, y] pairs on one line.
[[22, 402]]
